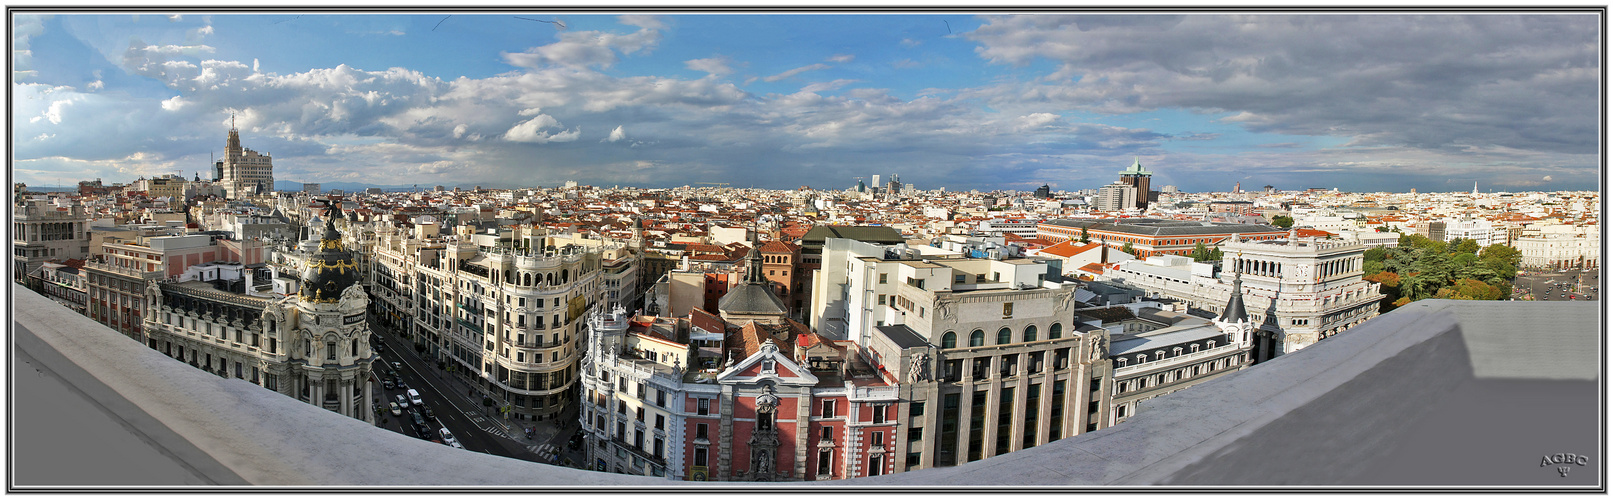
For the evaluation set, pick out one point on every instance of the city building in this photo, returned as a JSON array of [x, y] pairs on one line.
[[1155, 352], [314, 346], [1136, 177], [1115, 197], [1558, 246], [243, 172], [1150, 237], [63, 282], [966, 394], [42, 230], [1300, 290]]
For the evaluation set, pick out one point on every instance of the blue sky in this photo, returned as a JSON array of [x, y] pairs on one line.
[[955, 100]]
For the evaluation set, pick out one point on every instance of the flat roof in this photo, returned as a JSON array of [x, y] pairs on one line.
[[903, 336], [1164, 227]]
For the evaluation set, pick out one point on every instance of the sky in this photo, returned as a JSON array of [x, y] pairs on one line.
[[1360, 102]]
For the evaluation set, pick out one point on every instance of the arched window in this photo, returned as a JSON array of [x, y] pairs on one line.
[[977, 338], [1055, 331], [1003, 335], [528, 279], [1030, 333], [355, 347], [949, 340]]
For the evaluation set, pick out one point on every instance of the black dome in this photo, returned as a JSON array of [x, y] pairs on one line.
[[330, 271]]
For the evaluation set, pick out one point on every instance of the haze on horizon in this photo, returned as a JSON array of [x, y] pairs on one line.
[[1376, 102]]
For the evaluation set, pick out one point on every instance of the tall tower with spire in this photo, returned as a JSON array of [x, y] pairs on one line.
[[244, 172], [1136, 177]]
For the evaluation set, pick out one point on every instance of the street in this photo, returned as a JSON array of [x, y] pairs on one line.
[[1558, 285], [477, 427]]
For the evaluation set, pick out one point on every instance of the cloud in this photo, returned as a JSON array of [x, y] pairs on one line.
[[827, 86], [616, 135], [796, 71], [713, 65], [1546, 178], [842, 58], [585, 49], [909, 42], [1432, 82], [532, 131]]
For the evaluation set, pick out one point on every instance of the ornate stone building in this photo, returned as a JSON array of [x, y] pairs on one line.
[[314, 346]]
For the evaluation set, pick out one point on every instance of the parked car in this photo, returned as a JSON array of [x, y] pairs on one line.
[[403, 401], [396, 410], [414, 397], [448, 438]]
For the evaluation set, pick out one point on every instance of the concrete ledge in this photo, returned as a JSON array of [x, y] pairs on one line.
[[1436, 393]]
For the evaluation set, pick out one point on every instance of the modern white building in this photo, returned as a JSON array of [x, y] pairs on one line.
[[1478, 230], [1115, 197]]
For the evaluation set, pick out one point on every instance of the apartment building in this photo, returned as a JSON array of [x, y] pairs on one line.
[[41, 230]]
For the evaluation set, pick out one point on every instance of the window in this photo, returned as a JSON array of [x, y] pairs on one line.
[[1055, 331], [660, 422], [330, 350], [702, 406], [958, 278], [880, 413], [879, 440], [949, 340], [825, 459], [882, 299], [700, 456], [916, 409], [1030, 333], [660, 398], [659, 447], [977, 338], [828, 409], [882, 278], [1003, 335], [826, 434]]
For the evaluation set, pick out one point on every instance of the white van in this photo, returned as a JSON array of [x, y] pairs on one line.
[[414, 397]]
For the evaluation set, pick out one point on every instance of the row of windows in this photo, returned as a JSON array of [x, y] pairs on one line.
[[1005, 335]]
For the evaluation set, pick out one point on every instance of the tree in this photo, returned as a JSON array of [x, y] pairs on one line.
[[1084, 235], [1465, 246], [1200, 253], [1503, 253], [1467, 289], [1128, 249], [1282, 221]]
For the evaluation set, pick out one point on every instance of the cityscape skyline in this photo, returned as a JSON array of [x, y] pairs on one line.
[[1375, 103]]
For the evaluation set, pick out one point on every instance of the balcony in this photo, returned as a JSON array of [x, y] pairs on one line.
[[1388, 393]]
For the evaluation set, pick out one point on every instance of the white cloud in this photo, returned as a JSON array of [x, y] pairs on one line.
[[842, 58], [532, 131], [584, 49], [713, 65], [96, 85], [827, 86], [617, 135], [174, 103], [54, 113], [796, 71], [459, 130]]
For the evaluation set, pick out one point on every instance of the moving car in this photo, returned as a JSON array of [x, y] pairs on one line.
[[420, 423], [427, 409], [448, 438], [388, 384], [403, 401], [414, 397], [396, 410]]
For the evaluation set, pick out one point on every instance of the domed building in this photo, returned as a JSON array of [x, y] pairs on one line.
[[313, 346], [329, 359]]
